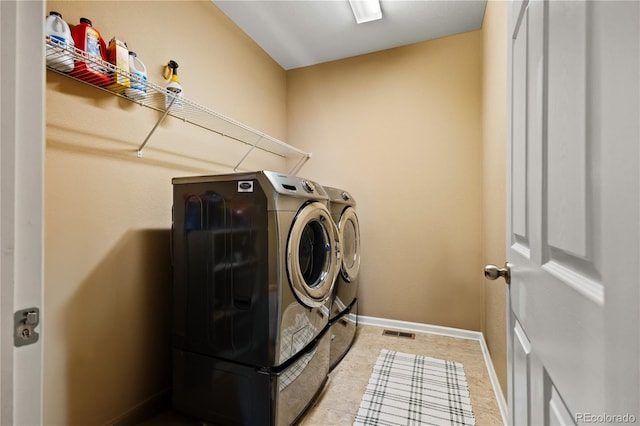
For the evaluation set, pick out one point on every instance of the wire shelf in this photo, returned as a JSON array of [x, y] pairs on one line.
[[76, 64]]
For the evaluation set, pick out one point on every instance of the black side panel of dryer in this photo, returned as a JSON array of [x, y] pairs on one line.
[[222, 392], [220, 282]]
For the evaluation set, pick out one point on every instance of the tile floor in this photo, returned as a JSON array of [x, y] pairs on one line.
[[339, 401]]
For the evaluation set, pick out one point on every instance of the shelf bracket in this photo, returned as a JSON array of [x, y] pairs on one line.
[[301, 162], [166, 112], [248, 152]]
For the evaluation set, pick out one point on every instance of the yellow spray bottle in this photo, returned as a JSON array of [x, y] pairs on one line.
[[173, 97]]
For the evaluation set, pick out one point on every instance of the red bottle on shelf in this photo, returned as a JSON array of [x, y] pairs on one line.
[[89, 40]]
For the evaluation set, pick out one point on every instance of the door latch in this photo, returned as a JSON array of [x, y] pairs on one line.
[[25, 322]]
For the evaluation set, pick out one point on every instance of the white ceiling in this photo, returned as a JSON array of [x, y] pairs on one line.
[[298, 33]]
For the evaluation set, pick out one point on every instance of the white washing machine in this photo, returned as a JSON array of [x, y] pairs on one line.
[[344, 308], [255, 260]]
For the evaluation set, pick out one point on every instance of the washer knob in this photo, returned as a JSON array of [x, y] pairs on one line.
[[345, 196], [308, 186]]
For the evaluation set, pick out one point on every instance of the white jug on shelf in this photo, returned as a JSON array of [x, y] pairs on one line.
[[138, 88], [60, 47]]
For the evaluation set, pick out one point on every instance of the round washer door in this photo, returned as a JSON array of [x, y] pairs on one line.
[[312, 254], [349, 228]]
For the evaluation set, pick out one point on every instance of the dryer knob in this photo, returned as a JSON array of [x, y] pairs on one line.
[[308, 186], [345, 196]]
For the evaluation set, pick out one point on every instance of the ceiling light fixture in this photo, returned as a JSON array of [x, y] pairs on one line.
[[366, 10]]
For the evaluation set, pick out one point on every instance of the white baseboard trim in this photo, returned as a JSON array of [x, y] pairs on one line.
[[497, 389], [449, 332]]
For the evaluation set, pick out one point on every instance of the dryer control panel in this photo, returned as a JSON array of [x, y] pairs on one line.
[[308, 186], [293, 185]]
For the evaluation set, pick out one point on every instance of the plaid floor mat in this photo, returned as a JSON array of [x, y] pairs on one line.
[[409, 389]]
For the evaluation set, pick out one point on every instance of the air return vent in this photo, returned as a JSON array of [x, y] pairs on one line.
[[398, 334]]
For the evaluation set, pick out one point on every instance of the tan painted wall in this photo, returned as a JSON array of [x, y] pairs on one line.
[[401, 130], [494, 142], [108, 213]]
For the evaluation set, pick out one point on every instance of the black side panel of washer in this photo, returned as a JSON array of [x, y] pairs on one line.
[[221, 392], [220, 282]]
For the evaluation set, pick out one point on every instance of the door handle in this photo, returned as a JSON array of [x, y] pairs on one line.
[[492, 272]]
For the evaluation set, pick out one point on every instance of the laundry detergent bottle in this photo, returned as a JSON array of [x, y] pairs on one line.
[[118, 55], [88, 39], [60, 45], [138, 87], [174, 88]]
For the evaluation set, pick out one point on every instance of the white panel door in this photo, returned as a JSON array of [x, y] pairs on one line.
[[574, 212], [21, 195]]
